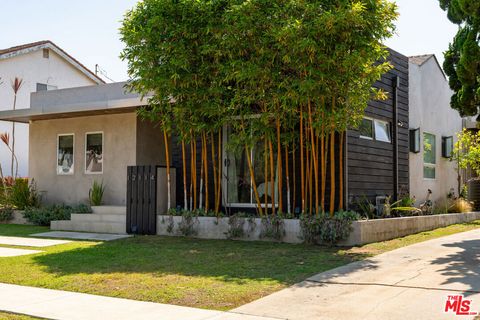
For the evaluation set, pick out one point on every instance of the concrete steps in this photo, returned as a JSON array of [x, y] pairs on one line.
[[104, 219]]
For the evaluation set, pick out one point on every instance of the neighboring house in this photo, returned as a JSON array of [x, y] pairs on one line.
[[42, 66], [433, 131], [79, 135]]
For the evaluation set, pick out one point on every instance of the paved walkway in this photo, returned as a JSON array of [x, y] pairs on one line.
[[64, 305], [30, 242], [81, 235], [12, 252], [408, 283]]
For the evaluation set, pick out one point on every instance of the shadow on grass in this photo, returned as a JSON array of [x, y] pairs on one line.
[[234, 261]]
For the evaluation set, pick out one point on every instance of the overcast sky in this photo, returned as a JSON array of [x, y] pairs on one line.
[[88, 29]]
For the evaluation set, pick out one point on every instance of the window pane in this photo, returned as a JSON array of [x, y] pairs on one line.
[[429, 172], [65, 155], [429, 148], [366, 128], [42, 87], [382, 131], [94, 153]]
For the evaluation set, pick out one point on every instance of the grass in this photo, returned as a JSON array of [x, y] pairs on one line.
[[211, 274], [13, 316]]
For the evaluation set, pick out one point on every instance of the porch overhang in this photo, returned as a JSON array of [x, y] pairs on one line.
[[77, 102]]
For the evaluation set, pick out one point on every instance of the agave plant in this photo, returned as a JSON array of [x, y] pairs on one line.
[[96, 193]]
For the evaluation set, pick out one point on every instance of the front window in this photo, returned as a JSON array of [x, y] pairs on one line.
[[429, 156], [238, 182], [65, 156], [94, 153], [374, 129]]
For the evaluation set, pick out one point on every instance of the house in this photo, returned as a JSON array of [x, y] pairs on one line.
[[80, 135], [42, 66], [433, 131]]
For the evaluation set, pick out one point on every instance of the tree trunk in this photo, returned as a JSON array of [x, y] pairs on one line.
[[340, 174], [294, 173], [215, 179], [252, 178], [279, 171], [314, 156], [272, 175], [205, 163], [287, 175], [167, 160], [332, 173], [302, 173], [184, 165], [219, 185]]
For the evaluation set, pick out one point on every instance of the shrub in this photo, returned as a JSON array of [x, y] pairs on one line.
[[188, 223], [44, 215], [327, 230], [273, 227], [96, 193], [235, 226], [82, 208], [23, 194], [460, 205], [6, 214]]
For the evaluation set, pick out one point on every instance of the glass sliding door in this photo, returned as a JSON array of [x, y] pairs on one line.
[[239, 185]]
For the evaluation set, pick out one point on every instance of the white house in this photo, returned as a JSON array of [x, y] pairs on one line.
[[433, 131], [42, 66]]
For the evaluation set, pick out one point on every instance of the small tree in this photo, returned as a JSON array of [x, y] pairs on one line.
[[462, 59], [467, 151]]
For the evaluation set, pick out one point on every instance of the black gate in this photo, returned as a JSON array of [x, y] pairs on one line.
[[142, 199]]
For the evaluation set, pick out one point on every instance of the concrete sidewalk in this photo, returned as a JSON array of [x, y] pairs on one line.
[[63, 305], [408, 283]]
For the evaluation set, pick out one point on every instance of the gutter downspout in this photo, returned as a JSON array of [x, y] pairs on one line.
[[396, 84]]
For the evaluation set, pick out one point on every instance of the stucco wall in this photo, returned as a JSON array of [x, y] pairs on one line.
[[430, 111], [119, 152], [33, 69]]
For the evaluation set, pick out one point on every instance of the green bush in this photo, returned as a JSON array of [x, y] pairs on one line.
[[44, 215], [23, 194], [82, 208], [326, 229], [6, 214]]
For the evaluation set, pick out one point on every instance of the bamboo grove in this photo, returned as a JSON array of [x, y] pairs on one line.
[[287, 76]]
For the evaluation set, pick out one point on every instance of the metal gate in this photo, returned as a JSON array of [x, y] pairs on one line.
[[142, 199]]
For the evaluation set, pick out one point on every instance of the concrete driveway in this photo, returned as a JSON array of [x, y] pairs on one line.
[[408, 283]]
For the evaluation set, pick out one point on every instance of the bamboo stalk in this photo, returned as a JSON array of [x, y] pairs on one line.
[[184, 165], [252, 178], [294, 176], [272, 175], [219, 185], [340, 174], [265, 157], [314, 156], [167, 160], [302, 176], [279, 165], [332, 163], [287, 176], [194, 174], [205, 163], [191, 175], [214, 164]]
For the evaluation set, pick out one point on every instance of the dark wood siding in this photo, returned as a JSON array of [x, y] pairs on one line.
[[370, 164]]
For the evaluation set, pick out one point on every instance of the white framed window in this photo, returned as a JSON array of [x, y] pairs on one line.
[[65, 154], [94, 158], [374, 129], [429, 155]]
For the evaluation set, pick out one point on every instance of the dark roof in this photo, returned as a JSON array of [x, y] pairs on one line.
[[421, 59], [49, 43]]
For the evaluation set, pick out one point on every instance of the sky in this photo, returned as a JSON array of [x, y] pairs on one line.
[[88, 29]]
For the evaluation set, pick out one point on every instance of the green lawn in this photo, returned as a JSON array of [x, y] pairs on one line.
[[210, 274], [12, 316]]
